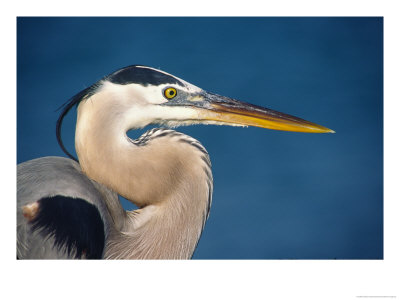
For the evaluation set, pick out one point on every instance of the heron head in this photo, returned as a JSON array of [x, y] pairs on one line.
[[140, 95], [151, 96]]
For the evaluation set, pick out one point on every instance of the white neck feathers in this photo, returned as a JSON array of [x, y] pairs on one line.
[[167, 175]]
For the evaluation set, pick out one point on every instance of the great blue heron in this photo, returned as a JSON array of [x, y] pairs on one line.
[[68, 209]]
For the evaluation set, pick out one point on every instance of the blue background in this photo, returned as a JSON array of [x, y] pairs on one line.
[[277, 195]]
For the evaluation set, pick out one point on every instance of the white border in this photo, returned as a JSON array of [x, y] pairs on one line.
[[201, 279]]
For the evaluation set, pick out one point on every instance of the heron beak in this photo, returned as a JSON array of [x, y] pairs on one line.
[[228, 111]]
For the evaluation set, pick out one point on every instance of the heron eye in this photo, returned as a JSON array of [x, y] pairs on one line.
[[170, 93]]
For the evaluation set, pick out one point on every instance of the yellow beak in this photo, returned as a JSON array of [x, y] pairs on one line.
[[225, 110]]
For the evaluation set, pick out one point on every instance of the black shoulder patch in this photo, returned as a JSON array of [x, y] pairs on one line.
[[74, 223], [141, 75]]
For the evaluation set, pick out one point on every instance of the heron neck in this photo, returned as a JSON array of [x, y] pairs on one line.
[[168, 177], [170, 230]]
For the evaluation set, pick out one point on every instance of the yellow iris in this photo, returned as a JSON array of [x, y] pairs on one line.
[[170, 93]]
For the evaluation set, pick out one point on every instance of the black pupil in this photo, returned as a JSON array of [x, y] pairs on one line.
[[171, 92]]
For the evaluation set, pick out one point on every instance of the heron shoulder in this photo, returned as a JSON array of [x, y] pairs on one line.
[[62, 194], [73, 225]]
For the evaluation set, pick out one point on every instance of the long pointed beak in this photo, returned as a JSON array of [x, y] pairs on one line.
[[225, 110]]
